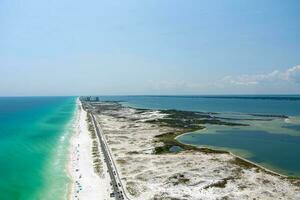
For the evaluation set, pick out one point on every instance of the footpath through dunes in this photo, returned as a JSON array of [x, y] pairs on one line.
[[152, 169]]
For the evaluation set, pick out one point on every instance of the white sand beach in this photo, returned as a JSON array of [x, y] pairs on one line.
[[85, 183]]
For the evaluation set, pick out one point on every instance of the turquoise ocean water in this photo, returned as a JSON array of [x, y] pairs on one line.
[[34, 141], [272, 142]]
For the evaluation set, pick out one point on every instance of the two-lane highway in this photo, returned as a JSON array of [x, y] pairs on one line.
[[118, 191]]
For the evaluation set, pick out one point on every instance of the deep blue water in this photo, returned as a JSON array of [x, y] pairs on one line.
[[285, 105]]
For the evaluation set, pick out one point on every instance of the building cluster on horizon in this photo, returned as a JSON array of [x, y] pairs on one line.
[[89, 98]]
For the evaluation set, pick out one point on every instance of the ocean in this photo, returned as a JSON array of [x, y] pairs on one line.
[[34, 141], [272, 142]]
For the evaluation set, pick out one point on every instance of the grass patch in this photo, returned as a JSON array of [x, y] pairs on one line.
[[242, 163], [189, 119], [97, 163], [132, 188], [132, 152], [294, 180], [168, 140], [219, 184], [177, 179], [121, 161]]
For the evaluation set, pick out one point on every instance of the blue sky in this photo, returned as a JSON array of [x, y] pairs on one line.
[[55, 47]]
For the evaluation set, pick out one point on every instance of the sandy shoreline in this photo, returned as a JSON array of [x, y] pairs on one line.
[[84, 182]]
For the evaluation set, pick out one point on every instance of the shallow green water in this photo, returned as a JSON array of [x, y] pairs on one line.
[[33, 146]]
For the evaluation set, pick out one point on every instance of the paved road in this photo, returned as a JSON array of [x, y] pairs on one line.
[[115, 180]]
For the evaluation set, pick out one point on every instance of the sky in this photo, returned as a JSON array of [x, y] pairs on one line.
[[120, 47]]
